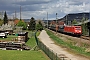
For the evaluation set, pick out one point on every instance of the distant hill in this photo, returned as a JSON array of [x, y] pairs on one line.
[[76, 16], [69, 17], [26, 20]]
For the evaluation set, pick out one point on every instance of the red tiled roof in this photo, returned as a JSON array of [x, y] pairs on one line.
[[16, 21]]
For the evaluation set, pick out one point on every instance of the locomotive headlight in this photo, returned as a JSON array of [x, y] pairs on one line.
[[79, 31], [75, 30]]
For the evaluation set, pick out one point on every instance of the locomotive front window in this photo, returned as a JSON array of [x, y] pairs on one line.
[[77, 28]]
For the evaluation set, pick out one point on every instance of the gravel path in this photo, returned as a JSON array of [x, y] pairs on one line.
[[57, 49]]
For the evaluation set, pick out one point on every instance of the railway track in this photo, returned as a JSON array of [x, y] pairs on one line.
[[85, 37], [82, 39]]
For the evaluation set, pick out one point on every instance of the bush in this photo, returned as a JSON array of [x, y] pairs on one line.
[[23, 24], [39, 26]]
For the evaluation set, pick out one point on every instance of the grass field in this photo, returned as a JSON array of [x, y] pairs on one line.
[[70, 46], [9, 37], [23, 55]]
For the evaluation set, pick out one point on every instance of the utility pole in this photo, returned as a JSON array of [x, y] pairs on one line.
[[1, 15], [13, 17], [20, 12], [89, 24], [15, 14], [56, 24], [56, 18], [66, 20], [47, 19]]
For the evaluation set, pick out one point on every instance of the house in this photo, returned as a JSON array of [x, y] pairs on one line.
[[16, 21], [7, 28]]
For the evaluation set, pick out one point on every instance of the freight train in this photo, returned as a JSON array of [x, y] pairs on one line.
[[61, 27]]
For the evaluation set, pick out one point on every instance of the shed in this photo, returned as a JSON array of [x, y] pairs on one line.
[[23, 36]]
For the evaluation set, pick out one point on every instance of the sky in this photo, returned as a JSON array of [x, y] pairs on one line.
[[39, 8]]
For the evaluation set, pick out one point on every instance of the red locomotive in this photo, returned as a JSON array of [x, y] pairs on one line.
[[76, 30], [61, 27]]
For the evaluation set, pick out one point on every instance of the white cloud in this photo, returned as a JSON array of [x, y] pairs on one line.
[[39, 8]]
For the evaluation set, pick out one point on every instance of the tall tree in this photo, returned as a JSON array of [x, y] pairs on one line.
[[5, 18], [32, 24], [22, 24], [74, 22], [84, 27], [1, 22], [39, 25]]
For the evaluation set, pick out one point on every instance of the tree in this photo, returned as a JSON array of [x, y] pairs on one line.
[[39, 25], [5, 18], [22, 24], [1, 22], [32, 24], [84, 27], [74, 22]]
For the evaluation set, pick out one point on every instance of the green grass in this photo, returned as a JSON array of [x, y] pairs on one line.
[[31, 42], [9, 37], [23, 55], [76, 49]]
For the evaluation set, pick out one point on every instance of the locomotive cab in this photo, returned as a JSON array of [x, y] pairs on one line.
[[78, 30], [75, 30]]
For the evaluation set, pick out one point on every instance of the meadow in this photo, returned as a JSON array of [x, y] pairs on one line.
[[24, 54]]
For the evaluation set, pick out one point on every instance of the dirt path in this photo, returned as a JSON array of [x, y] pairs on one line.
[[57, 49]]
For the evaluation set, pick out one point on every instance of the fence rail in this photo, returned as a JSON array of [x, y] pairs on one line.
[[47, 51]]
